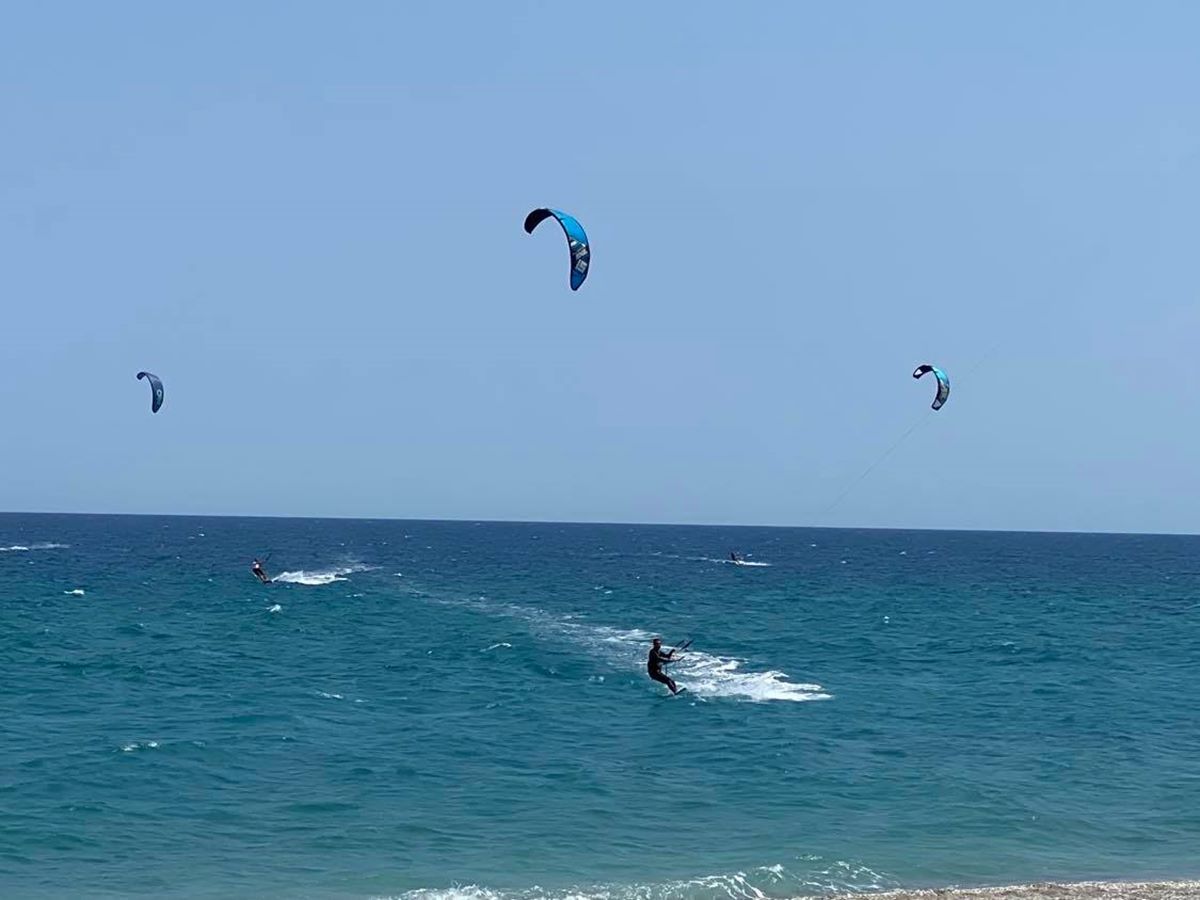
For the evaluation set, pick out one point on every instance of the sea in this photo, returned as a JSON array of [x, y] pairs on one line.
[[460, 710]]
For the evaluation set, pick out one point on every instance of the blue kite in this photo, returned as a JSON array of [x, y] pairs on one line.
[[156, 388], [943, 383], [577, 241]]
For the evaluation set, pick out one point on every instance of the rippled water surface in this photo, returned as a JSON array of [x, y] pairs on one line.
[[436, 709]]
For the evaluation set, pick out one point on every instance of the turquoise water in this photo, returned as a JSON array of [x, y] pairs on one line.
[[424, 706]]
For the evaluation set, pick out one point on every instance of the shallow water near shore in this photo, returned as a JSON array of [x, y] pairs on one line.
[[431, 709]]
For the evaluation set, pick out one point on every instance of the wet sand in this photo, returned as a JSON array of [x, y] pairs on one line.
[[1083, 890]]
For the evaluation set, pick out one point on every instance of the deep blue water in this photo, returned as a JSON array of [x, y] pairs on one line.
[[425, 705]]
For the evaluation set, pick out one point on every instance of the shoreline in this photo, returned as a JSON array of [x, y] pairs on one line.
[[1076, 890], [1179, 889]]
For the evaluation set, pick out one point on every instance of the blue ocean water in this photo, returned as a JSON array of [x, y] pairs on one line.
[[435, 709]]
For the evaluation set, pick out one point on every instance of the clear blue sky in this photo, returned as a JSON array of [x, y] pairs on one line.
[[306, 217]]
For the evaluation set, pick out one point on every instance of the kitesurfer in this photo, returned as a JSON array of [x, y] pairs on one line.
[[655, 663], [733, 557], [257, 569]]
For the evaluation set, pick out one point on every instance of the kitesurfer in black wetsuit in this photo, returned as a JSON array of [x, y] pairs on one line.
[[257, 569], [733, 557], [655, 663]]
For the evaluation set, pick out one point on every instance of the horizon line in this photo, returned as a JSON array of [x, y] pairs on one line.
[[643, 524]]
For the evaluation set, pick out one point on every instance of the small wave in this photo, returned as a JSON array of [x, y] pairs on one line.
[[330, 696], [274, 609], [319, 577], [504, 644], [28, 548], [754, 884], [135, 746], [78, 592]]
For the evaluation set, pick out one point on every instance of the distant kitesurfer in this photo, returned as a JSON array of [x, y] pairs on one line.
[[655, 663], [257, 569], [733, 557]]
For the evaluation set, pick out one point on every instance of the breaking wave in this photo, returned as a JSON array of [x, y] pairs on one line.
[[812, 877], [740, 887]]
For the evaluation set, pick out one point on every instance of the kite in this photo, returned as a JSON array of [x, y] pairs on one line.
[[156, 388], [943, 383], [577, 241]]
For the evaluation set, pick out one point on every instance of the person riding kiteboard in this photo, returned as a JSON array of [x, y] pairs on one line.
[[657, 659], [257, 569]]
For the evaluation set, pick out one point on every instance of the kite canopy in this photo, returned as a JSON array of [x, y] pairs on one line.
[[943, 383], [577, 241], [156, 390]]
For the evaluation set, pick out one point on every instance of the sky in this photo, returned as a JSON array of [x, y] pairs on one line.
[[306, 218]]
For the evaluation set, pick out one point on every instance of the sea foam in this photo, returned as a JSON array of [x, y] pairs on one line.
[[320, 576], [752, 884]]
